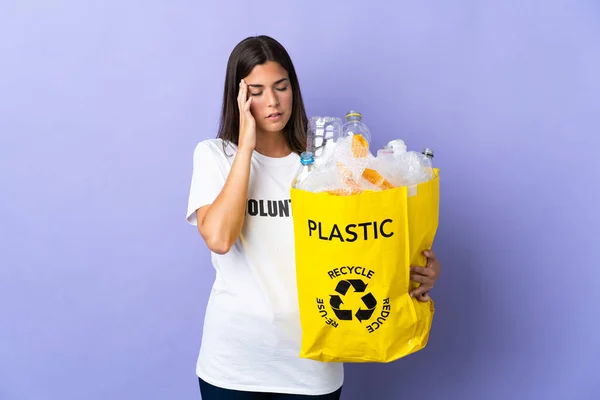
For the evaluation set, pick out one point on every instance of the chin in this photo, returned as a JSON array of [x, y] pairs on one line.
[[274, 128]]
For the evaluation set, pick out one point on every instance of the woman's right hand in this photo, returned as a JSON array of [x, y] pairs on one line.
[[247, 138]]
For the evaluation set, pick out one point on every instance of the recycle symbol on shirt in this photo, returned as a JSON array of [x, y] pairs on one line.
[[368, 300]]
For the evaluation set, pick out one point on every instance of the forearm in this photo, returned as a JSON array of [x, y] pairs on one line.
[[223, 221]]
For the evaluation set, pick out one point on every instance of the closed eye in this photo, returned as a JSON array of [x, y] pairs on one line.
[[283, 89]]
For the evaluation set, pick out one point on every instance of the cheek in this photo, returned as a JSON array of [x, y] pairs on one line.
[[256, 105], [287, 99]]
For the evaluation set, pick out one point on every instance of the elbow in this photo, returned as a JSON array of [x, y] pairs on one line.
[[217, 239], [218, 245]]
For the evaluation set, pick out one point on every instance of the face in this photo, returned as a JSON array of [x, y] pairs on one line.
[[271, 92]]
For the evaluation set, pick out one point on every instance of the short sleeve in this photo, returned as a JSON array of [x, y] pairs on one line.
[[208, 178]]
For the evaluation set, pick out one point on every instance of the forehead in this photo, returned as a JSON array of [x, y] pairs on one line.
[[266, 73]]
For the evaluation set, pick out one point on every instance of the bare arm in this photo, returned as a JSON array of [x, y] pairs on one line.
[[220, 223]]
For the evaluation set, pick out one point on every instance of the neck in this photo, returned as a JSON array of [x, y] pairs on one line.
[[272, 144]]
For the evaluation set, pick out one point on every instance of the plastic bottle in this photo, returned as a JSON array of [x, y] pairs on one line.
[[307, 162], [387, 165], [398, 146], [354, 126], [321, 135], [321, 130], [326, 153], [385, 152], [427, 162]]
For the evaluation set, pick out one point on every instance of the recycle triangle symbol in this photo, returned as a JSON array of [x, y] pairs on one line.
[[368, 300]]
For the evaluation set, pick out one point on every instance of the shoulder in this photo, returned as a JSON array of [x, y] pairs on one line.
[[215, 149]]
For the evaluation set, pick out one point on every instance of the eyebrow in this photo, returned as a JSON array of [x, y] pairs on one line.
[[276, 83]]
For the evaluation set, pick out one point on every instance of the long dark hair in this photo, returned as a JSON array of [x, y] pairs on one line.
[[245, 56]]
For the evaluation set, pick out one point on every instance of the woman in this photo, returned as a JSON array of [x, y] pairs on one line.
[[251, 336]]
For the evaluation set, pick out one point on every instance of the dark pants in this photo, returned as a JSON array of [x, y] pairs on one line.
[[210, 392]]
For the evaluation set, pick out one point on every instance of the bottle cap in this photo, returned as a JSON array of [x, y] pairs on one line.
[[307, 157], [353, 115], [428, 152]]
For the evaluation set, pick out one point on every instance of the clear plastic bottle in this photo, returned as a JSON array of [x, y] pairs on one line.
[[387, 165], [398, 146], [354, 126], [326, 152], [427, 162], [321, 131], [385, 152], [428, 153], [307, 162], [321, 135]]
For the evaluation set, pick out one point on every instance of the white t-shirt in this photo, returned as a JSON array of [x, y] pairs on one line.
[[251, 338]]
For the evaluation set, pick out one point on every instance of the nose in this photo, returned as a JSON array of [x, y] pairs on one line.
[[272, 98]]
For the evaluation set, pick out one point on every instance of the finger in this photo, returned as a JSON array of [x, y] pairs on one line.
[[421, 279], [415, 269], [429, 254], [434, 266], [242, 94], [420, 290], [247, 105], [423, 297]]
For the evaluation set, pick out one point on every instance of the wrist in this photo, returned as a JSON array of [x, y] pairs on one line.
[[245, 150]]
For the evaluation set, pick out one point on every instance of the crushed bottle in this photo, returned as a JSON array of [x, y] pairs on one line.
[[320, 137]]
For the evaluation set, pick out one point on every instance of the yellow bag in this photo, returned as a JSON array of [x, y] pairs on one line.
[[353, 258]]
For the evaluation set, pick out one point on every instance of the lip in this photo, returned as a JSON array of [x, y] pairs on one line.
[[274, 116]]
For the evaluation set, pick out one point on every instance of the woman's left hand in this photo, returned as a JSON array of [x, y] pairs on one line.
[[426, 276]]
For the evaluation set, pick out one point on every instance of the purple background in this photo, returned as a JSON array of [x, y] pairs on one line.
[[103, 284]]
